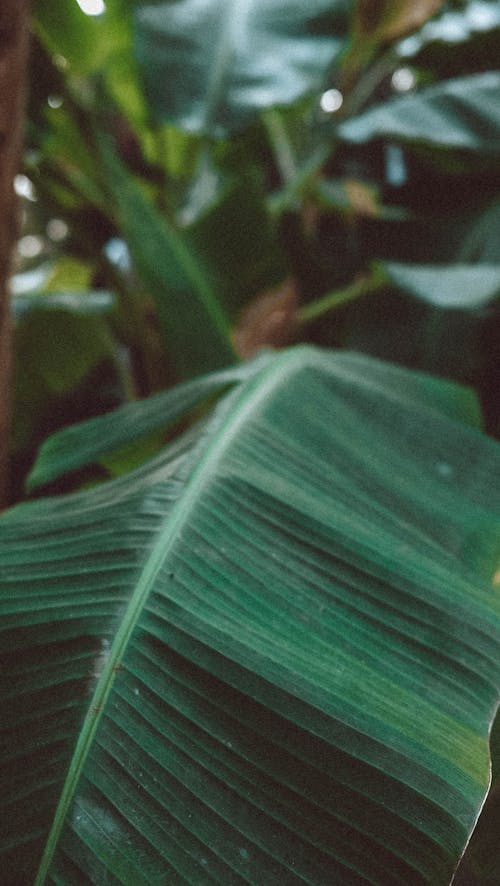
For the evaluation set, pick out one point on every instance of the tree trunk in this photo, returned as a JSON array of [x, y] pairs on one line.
[[14, 40]]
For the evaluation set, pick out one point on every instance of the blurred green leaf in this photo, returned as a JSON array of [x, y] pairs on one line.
[[460, 114], [62, 346], [237, 241], [82, 41], [210, 66], [56, 349], [194, 326], [92, 302], [482, 236], [67, 152], [63, 284], [454, 286], [68, 272]]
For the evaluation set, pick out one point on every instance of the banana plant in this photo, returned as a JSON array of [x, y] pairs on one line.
[[271, 654]]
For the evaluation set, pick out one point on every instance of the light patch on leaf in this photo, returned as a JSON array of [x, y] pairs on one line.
[[101, 659]]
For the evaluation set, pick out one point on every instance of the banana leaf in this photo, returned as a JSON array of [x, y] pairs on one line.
[[269, 655], [85, 443]]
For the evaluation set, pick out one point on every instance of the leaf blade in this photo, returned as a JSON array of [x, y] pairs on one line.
[[193, 322], [463, 113], [83, 444], [453, 286], [258, 57], [327, 635]]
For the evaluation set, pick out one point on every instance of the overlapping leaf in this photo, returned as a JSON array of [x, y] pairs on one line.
[[210, 65], [82, 444], [463, 114], [269, 656]]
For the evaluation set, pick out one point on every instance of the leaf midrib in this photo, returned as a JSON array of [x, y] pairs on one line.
[[248, 400], [233, 15]]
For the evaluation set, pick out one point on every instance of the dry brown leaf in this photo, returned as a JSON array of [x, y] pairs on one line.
[[362, 198], [268, 321], [384, 20]]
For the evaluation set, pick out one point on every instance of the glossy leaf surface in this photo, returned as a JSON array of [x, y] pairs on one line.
[[210, 65], [269, 656]]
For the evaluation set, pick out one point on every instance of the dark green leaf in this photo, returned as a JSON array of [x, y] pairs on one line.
[[480, 243], [481, 864], [270, 656], [243, 257], [56, 350], [193, 323], [61, 346], [85, 443]]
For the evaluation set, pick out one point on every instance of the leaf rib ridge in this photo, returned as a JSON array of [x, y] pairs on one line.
[[247, 400], [234, 14]]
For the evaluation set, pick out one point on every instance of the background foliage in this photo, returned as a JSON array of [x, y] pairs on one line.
[[197, 176]]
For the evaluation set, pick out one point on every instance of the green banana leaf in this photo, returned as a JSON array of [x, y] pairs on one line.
[[270, 655], [85, 443], [462, 113], [210, 66]]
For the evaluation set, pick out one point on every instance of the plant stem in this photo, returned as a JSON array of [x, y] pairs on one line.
[[297, 178], [285, 198], [365, 86], [358, 288]]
